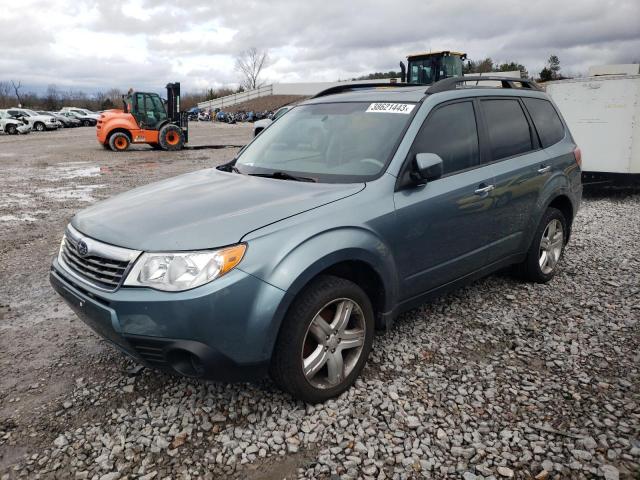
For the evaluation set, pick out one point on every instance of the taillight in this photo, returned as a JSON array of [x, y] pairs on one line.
[[578, 154]]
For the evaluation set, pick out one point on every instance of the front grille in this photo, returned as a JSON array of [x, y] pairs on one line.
[[101, 265], [105, 272]]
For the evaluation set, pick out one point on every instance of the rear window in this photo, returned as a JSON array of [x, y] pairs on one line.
[[546, 119], [508, 128]]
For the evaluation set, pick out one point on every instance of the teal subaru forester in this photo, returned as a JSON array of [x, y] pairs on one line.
[[356, 205]]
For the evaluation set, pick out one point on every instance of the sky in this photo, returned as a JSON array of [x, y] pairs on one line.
[[95, 45]]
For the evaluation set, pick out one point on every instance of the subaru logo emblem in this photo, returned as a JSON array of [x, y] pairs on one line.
[[82, 248]]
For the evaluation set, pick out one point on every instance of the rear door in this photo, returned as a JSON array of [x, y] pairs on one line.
[[520, 168], [443, 227]]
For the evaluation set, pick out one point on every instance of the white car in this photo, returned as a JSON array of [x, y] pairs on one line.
[[36, 121], [260, 125], [81, 112], [11, 126]]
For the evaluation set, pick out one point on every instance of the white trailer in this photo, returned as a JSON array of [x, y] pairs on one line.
[[603, 114]]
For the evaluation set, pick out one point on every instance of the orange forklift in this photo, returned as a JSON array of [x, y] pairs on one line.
[[145, 118]]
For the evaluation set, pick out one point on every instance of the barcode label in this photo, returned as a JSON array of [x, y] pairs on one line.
[[405, 108]]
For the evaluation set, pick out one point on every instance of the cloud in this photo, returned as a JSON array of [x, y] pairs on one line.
[[97, 44]]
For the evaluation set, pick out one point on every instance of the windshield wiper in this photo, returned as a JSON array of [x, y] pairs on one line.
[[283, 176], [229, 167]]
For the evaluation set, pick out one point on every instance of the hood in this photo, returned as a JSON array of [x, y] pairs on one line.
[[200, 210]]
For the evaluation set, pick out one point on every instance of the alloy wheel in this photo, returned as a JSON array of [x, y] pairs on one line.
[[551, 246], [333, 343]]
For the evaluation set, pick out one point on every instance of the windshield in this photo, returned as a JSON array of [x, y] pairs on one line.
[[329, 142], [31, 113]]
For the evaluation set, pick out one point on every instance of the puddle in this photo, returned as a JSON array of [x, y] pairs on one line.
[[67, 170], [82, 193]]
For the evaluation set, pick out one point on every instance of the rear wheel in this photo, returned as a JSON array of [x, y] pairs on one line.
[[119, 142], [324, 340], [39, 126], [547, 248], [171, 137]]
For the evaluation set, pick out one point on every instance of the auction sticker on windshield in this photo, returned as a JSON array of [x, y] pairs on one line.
[[390, 108]]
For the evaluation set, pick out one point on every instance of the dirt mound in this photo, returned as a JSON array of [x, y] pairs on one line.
[[271, 102]]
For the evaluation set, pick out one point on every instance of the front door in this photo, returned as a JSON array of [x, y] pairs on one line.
[[444, 226]]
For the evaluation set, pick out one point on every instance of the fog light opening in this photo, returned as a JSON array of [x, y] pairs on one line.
[[185, 363]]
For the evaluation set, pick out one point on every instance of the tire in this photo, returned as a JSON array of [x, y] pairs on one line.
[[298, 342], [171, 137], [547, 247], [39, 126], [119, 142], [106, 146], [155, 146], [12, 130]]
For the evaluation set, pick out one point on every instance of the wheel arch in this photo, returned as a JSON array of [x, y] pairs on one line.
[[368, 263], [118, 130]]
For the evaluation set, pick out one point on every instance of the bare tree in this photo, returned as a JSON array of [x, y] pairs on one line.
[[16, 88], [5, 91], [249, 64]]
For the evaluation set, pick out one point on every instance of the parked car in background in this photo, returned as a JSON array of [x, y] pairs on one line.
[[85, 120], [260, 125], [12, 126], [36, 121], [81, 112], [66, 122], [352, 208]]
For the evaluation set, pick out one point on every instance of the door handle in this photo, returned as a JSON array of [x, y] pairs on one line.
[[483, 190], [544, 169]]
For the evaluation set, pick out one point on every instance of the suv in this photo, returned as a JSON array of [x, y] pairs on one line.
[[356, 205], [35, 120], [11, 126]]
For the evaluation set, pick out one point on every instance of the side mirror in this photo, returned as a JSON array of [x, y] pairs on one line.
[[428, 166]]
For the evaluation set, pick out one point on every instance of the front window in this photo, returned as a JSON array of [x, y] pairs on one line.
[[329, 142], [31, 113], [451, 67], [421, 71]]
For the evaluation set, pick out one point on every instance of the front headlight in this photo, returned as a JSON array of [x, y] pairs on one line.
[[183, 270]]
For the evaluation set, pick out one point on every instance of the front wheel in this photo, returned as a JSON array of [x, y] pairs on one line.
[[86, 123], [39, 126], [12, 129], [547, 247], [324, 340], [171, 137]]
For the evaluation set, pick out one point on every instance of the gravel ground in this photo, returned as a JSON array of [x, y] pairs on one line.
[[497, 380]]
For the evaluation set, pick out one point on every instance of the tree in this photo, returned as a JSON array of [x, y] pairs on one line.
[[546, 74], [513, 66], [52, 98], [484, 66], [249, 64], [552, 70], [16, 89], [554, 66]]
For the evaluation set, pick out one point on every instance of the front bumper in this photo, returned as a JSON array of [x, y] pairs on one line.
[[224, 330], [51, 126], [24, 129]]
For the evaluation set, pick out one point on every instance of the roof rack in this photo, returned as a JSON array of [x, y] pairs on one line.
[[357, 86], [505, 82]]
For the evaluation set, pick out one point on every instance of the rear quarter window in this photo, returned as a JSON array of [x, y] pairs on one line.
[[508, 128], [546, 120]]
